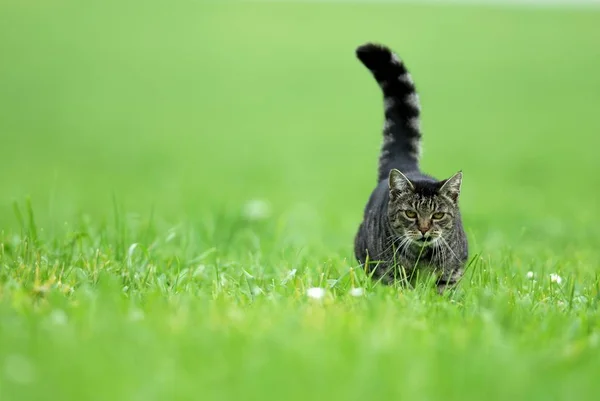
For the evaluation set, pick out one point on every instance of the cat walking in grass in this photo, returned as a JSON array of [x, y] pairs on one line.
[[412, 221]]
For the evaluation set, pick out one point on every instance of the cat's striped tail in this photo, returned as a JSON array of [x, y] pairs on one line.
[[401, 146]]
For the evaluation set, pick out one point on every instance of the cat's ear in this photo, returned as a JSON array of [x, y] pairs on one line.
[[398, 183], [451, 187]]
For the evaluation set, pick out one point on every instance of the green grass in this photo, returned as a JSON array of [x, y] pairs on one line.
[[134, 135]]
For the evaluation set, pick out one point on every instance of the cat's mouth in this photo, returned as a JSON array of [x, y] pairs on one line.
[[425, 240]]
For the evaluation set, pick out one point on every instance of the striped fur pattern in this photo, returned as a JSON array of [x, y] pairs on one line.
[[412, 221], [402, 126]]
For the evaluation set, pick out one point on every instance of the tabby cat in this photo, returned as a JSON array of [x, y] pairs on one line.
[[412, 221]]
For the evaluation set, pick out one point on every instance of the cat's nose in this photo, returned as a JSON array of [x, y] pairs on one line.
[[424, 230]]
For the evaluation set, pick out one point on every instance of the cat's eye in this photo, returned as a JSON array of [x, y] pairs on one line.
[[438, 215], [410, 214]]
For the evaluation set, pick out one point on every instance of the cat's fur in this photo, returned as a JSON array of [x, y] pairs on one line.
[[402, 231]]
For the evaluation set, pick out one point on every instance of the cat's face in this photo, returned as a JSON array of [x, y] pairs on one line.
[[423, 213]]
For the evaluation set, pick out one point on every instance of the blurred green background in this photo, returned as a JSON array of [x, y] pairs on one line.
[[187, 105], [182, 112]]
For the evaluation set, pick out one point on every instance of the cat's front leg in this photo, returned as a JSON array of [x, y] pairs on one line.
[[449, 279]]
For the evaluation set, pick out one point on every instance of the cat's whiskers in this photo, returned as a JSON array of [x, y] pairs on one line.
[[434, 250], [401, 248], [392, 242], [404, 245], [439, 254], [449, 248]]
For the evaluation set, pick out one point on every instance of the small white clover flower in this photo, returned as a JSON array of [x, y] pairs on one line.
[[357, 292], [58, 317], [555, 278], [136, 315], [315, 293], [530, 275], [256, 210]]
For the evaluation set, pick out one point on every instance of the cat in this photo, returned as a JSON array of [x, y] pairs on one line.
[[412, 221]]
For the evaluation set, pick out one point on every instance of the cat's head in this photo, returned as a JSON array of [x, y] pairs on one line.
[[422, 212]]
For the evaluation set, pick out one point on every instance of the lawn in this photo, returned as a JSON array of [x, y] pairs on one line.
[[176, 176]]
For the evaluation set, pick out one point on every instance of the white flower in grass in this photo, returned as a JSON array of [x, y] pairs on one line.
[[58, 317], [136, 315], [357, 292], [555, 278], [256, 210], [530, 275], [315, 293]]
